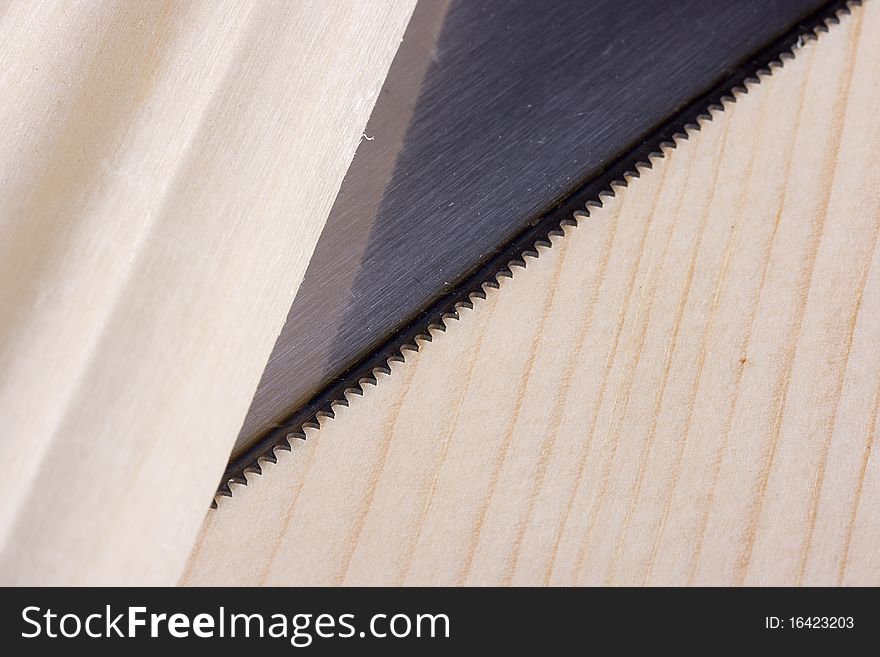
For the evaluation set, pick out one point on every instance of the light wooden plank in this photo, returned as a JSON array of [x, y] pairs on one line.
[[165, 172], [684, 390]]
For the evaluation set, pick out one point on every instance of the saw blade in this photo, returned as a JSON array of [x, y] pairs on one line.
[[498, 121]]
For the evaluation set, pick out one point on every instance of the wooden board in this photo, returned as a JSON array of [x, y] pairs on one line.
[[683, 390], [165, 172]]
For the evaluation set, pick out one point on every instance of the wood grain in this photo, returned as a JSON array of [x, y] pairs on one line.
[[165, 172], [683, 390]]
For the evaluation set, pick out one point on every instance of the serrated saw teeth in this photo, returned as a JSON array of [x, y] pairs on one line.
[[565, 214]]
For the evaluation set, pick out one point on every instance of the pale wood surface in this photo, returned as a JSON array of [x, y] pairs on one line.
[[684, 390], [165, 171]]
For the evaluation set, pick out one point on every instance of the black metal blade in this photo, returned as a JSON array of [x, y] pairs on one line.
[[498, 120]]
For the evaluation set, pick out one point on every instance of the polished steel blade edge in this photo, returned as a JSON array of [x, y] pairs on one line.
[[552, 222]]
